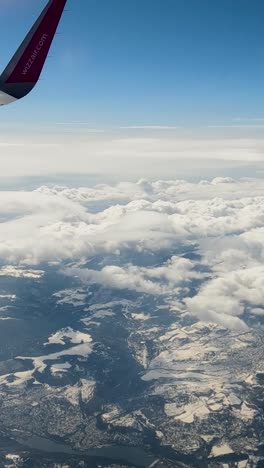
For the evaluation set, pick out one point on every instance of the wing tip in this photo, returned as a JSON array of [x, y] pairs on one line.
[[24, 69]]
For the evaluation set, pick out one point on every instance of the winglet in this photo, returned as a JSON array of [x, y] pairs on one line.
[[24, 69]]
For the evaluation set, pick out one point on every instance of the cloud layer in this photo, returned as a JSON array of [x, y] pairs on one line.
[[133, 152], [206, 240]]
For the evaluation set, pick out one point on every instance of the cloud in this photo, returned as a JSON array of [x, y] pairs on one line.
[[247, 126], [161, 280], [222, 180], [150, 127], [218, 309], [135, 154], [223, 299], [220, 221]]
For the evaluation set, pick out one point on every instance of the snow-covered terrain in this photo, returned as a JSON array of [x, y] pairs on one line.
[[131, 333]]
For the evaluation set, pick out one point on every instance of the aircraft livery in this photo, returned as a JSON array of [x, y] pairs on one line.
[[24, 69]]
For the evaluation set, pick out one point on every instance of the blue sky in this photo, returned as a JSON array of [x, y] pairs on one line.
[[146, 61], [193, 64]]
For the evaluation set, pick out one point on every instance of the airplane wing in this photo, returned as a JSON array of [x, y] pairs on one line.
[[24, 69]]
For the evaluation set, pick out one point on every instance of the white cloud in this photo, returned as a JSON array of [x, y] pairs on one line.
[[133, 154], [222, 180], [150, 127], [222, 299], [163, 280], [223, 219], [247, 126]]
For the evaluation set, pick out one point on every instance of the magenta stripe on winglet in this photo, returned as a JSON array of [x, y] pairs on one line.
[[34, 50]]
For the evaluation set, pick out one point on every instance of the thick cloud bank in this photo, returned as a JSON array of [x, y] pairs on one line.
[[206, 240]]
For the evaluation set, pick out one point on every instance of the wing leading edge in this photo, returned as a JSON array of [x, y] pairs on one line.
[[24, 69]]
